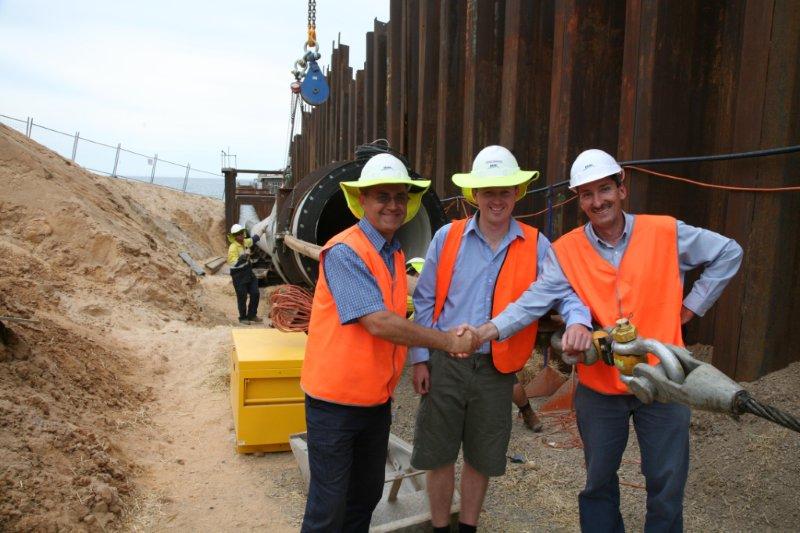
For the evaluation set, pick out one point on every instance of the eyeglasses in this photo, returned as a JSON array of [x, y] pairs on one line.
[[386, 198]]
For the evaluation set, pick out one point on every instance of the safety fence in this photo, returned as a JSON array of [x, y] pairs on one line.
[[119, 162]]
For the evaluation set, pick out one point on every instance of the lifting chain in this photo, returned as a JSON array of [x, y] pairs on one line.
[[309, 81], [312, 22]]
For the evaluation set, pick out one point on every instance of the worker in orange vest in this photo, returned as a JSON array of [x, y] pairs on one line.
[[356, 348], [474, 268], [624, 265]]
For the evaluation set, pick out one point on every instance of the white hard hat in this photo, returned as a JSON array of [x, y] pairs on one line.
[[592, 165], [384, 169], [494, 166], [236, 228]]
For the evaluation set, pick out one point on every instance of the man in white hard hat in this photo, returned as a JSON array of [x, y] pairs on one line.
[[624, 265], [245, 282], [356, 348], [474, 268]]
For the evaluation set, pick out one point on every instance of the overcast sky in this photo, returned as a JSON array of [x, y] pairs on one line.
[[183, 78]]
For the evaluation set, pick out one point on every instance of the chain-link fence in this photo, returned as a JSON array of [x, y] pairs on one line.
[[120, 162]]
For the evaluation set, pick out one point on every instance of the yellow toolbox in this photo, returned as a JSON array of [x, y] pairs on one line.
[[267, 401]]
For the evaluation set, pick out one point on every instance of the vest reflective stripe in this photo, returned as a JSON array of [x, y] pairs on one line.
[[516, 275], [345, 364], [646, 288]]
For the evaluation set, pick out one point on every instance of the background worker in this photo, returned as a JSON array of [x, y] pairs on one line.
[[474, 267], [520, 399], [413, 269], [245, 282], [624, 265], [356, 348]]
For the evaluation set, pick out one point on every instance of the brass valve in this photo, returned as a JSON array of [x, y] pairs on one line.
[[622, 333]]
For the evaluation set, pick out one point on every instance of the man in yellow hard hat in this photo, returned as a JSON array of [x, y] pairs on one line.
[[476, 267], [356, 348]]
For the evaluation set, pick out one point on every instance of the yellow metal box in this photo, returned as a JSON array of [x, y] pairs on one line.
[[267, 401]]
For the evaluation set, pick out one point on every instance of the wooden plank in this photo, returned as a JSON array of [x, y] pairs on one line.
[[450, 95], [379, 81], [189, 261], [770, 260], [411, 78], [734, 325], [526, 80], [427, 95], [369, 89], [483, 51], [394, 57]]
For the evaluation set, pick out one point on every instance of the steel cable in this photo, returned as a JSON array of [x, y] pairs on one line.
[[744, 403]]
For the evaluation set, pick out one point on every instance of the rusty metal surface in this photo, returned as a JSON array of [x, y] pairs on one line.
[[638, 78]]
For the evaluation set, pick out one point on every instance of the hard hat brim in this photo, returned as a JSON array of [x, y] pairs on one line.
[[520, 179], [417, 189]]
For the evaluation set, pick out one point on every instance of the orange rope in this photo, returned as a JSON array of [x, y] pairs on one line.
[[290, 308], [568, 200], [566, 424], [714, 186]]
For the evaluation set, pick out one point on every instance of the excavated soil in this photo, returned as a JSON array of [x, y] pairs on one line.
[[114, 410]]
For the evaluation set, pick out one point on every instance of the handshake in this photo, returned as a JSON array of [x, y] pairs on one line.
[[465, 339]]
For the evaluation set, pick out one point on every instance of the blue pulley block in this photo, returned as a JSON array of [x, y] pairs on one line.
[[314, 87]]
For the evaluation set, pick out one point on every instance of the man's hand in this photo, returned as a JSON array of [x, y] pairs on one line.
[[577, 339], [463, 340], [488, 332], [686, 314], [421, 378]]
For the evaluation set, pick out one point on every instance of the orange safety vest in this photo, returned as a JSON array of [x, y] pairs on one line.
[[646, 288], [516, 275], [346, 364]]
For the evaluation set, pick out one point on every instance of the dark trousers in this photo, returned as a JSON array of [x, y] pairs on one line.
[[347, 458], [663, 433], [244, 287]]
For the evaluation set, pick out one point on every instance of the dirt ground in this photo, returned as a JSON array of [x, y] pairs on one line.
[[114, 410]]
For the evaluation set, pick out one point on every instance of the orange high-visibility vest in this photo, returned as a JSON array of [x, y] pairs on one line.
[[516, 275], [345, 364], [646, 288]]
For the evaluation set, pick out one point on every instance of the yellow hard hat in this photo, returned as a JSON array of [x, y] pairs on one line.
[[494, 166], [384, 169]]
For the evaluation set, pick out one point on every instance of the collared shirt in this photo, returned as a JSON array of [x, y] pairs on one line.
[[469, 299], [719, 255], [352, 285]]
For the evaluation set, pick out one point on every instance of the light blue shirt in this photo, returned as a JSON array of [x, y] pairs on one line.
[[719, 255], [471, 293], [355, 290]]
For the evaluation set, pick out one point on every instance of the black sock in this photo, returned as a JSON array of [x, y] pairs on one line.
[[466, 528], [442, 529]]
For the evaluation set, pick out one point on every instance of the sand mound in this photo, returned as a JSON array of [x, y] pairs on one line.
[[85, 256]]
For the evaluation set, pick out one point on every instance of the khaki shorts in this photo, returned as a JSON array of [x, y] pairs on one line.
[[469, 401]]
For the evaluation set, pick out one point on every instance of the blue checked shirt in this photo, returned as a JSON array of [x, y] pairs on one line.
[[471, 293], [719, 255], [352, 285]]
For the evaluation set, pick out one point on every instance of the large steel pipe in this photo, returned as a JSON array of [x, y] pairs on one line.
[[315, 210]]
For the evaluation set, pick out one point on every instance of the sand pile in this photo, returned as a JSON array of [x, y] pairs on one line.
[[85, 256]]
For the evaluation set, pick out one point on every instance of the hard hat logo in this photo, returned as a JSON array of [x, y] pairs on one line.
[[494, 166], [592, 165]]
